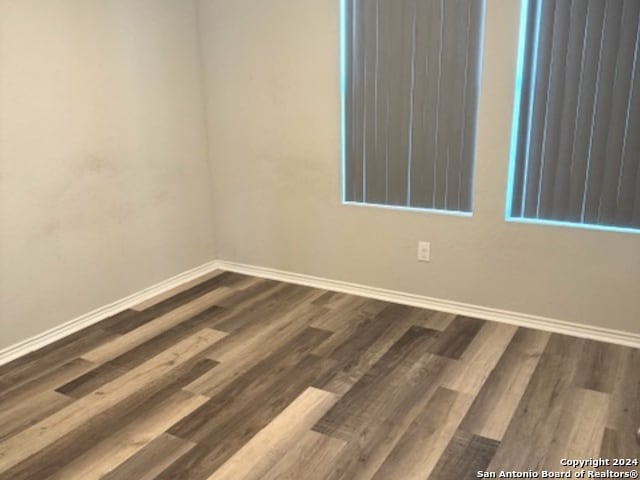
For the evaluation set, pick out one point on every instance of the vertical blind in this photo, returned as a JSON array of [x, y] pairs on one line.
[[578, 137], [411, 94]]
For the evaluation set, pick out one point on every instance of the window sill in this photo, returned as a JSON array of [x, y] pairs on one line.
[[454, 213], [582, 226]]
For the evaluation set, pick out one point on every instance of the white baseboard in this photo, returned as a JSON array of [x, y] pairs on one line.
[[485, 313], [88, 319]]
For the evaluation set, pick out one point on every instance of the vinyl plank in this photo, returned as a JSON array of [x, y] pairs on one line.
[[263, 451], [496, 403], [42, 434], [198, 463], [130, 320], [41, 362], [96, 428], [527, 438], [147, 350], [453, 342], [464, 457], [310, 458], [142, 334], [469, 373], [90, 381], [264, 380], [125, 321], [417, 452], [243, 298], [282, 327], [211, 380], [365, 454], [152, 459], [351, 314], [598, 366], [240, 281], [25, 414], [382, 386], [580, 431], [253, 314], [176, 290], [242, 350], [362, 332], [224, 435], [225, 280], [247, 383], [135, 318], [358, 361], [126, 442], [619, 445], [50, 380], [104, 373], [432, 319], [352, 368], [624, 408], [361, 308], [336, 300]]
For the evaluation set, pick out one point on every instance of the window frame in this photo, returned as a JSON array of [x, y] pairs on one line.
[[518, 101], [343, 85]]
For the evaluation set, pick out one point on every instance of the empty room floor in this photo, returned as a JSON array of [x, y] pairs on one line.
[[235, 377]]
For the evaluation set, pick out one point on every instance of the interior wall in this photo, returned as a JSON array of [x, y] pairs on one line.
[[104, 179], [272, 71]]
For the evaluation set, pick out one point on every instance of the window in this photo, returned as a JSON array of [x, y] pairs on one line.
[[410, 93], [576, 146]]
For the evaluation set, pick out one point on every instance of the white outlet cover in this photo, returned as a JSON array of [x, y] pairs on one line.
[[424, 251]]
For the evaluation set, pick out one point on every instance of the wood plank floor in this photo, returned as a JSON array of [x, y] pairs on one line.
[[234, 377]]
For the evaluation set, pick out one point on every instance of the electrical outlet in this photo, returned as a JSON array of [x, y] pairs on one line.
[[424, 251]]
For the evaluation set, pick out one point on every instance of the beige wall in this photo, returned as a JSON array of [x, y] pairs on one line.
[[274, 126], [105, 187], [104, 181]]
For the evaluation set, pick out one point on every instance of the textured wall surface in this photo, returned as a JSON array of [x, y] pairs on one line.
[[272, 72], [104, 180]]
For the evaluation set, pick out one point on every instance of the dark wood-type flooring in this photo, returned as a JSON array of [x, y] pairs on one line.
[[234, 377]]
